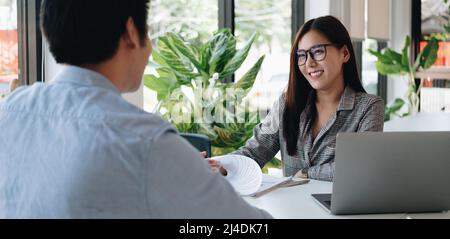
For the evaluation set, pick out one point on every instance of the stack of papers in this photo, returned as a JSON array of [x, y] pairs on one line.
[[245, 175]]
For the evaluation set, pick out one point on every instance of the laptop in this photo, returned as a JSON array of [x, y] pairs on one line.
[[395, 172]]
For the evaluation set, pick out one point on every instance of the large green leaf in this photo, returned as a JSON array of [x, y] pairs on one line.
[[217, 48], [390, 62], [169, 55], [393, 108], [381, 57], [166, 72], [186, 51], [388, 69], [162, 86], [158, 59], [429, 54], [395, 57], [205, 55], [396, 106], [237, 60], [247, 81], [229, 52], [405, 56]]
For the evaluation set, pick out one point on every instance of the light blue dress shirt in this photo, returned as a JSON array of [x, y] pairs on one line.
[[74, 148]]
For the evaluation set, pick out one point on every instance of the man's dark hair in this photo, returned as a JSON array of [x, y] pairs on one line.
[[88, 31]]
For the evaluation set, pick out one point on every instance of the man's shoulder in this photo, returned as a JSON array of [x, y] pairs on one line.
[[22, 96], [145, 124], [90, 107]]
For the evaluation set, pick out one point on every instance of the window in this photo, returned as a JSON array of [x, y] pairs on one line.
[[193, 20], [272, 20], [9, 51]]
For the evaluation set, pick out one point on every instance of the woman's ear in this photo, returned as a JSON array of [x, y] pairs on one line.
[[346, 53]]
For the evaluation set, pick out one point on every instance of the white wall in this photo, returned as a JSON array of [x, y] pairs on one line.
[[52, 68], [316, 8], [351, 13]]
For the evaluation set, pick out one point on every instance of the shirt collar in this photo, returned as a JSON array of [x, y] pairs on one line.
[[81, 76], [347, 101]]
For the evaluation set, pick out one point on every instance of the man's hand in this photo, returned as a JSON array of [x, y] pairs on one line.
[[203, 154], [215, 165]]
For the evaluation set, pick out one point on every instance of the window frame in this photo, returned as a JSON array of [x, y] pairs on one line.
[[416, 27], [382, 79], [227, 20], [29, 42]]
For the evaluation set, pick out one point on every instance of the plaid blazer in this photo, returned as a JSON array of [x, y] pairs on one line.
[[357, 112]]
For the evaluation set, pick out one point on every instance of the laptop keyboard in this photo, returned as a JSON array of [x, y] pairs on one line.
[[324, 199]]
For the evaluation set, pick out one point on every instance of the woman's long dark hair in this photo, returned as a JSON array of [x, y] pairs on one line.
[[299, 88]]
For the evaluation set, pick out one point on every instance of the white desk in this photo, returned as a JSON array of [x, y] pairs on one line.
[[296, 203], [420, 122]]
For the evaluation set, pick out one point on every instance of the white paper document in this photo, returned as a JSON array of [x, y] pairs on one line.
[[245, 175]]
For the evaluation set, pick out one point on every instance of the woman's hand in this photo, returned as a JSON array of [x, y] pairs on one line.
[[302, 174]]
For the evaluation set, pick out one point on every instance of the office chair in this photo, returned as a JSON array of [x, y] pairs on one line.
[[200, 142]]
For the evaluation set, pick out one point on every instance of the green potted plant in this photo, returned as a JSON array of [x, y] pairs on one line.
[[391, 62], [190, 82]]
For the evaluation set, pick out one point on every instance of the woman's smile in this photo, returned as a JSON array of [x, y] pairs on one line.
[[316, 74]]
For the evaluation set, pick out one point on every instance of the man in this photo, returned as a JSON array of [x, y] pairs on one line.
[[74, 148]]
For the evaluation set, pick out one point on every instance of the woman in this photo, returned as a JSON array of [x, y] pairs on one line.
[[324, 97]]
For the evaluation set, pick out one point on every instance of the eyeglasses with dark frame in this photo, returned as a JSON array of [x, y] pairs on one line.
[[317, 53]]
